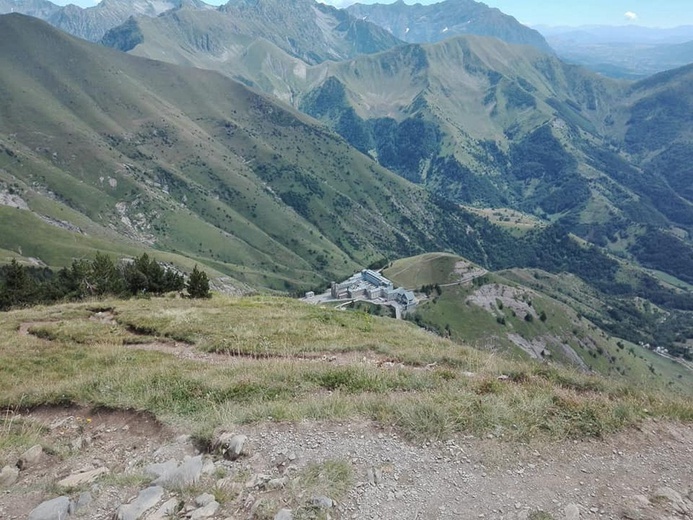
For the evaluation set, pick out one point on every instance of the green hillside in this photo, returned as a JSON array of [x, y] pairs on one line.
[[426, 269], [492, 125], [531, 314], [147, 155]]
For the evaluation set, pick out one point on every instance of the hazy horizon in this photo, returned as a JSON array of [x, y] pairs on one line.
[[644, 13]]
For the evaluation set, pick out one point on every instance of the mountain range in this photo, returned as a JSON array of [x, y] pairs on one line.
[[91, 23], [286, 144], [267, 19], [304, 29], [474, 119]]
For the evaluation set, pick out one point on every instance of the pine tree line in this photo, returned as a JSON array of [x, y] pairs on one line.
[[22, 286]]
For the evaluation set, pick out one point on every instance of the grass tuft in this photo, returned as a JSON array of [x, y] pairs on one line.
[[16, 433], [331, 478]]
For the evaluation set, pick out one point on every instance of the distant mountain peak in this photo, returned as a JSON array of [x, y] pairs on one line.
[[93, 22], [419, 23], [266, 3], [37, 8]]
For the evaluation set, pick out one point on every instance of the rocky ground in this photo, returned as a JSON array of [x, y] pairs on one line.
[[102, 464]]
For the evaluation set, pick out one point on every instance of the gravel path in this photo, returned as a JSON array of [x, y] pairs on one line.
[[643, 474], [489, 478]]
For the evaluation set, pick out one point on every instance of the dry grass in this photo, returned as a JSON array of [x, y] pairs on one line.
[[17, 434], [383, 370]]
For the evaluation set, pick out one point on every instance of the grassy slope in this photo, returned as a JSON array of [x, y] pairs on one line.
[[427, 269], [278, 367], [191, 162], [564, 300], [108, 100], [58, 247], [53, 245], [516, 222]]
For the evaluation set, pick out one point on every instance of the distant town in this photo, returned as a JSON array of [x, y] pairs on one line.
[[368, 286]]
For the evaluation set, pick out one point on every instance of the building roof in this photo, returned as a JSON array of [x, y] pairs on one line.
[[409, 295], [377, 276], [401, 291]]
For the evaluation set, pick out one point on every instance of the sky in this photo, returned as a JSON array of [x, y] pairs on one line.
[[650, 13]]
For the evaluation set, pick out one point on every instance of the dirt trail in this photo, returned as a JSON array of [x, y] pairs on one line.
[[463, 478], [25, 328], [679, 360]]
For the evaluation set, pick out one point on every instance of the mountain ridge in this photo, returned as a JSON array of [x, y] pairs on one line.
[[91, 23], [305, 29], [435, 22]]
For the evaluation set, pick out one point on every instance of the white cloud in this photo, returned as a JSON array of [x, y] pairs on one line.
[[630, 16]]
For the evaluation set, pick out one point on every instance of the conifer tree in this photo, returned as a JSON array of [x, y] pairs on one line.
[[198, 284], [105, 277], [18, 287]]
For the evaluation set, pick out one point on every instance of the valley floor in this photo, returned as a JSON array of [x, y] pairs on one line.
[[644, 473]]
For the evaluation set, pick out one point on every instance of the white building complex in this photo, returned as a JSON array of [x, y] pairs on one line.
[[371, 285]]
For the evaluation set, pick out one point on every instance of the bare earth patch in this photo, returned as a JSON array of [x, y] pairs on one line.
[[77, 439], [181, 350], [106, 317], [489, 296], [190, 353], [25, 328], [537, 348], [467, 272]]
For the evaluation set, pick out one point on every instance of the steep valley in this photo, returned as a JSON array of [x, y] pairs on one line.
[[536, 218], [482, 122], [193, 163]]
